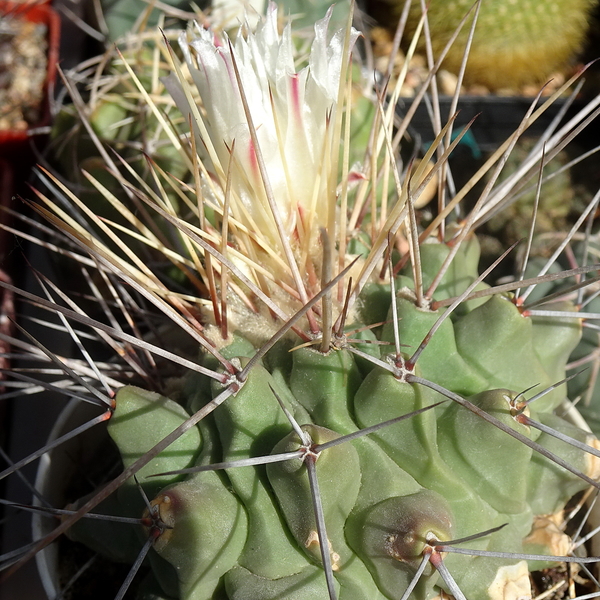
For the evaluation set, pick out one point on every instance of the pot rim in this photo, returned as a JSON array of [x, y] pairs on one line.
[[74, 413]]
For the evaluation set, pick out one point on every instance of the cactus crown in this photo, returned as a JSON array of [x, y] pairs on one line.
[[326, 399]]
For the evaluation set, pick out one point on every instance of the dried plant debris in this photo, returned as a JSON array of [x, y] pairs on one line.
[[23, 61]]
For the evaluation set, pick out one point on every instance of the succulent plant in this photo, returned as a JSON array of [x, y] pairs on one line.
[[121, 17], [110, 113], [514, 44], [330, 401]]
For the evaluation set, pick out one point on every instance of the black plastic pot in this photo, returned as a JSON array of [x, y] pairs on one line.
[[497, 117]]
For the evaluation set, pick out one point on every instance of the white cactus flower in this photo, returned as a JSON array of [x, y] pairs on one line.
[[292, 111]]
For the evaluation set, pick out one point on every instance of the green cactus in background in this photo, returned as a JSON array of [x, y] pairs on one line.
[[560, 199], [117, 118], [585, 388], [515, 43], [330, 400]]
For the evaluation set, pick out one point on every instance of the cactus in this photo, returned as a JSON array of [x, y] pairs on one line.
[[117, 116], [327, 402], [585, 388], [515, 43]]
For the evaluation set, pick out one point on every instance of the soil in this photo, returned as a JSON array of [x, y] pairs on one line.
[[23, 60]]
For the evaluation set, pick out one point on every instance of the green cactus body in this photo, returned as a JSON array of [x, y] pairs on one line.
[[250, 426], [393, 533], [324, 385], [477, 451], [441, 472], [308, 584], [454, 373], [207, 529], [157, 416], [338, 473]]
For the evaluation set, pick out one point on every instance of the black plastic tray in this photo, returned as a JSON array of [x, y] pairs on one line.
[[497, 117]]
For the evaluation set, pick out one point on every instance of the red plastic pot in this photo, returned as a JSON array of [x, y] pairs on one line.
[[6, 193], [14, 144]]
